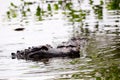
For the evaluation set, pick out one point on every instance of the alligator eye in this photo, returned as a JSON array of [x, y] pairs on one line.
[[13, 54], [29, 48], [44, 48], [61, 46]]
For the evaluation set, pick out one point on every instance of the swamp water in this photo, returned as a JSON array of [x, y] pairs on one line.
[[100, 54]]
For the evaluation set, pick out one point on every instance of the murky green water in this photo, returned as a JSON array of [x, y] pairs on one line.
[[58, 21]]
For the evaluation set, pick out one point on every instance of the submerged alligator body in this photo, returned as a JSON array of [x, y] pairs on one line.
[[70, 49]]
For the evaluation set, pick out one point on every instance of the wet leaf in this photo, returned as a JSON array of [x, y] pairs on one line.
[[68, 6], [113, 5], [12, 13], [28, 3], [13, 5], [56, 7], [91, 2], [60, 2], [49, 7], [38, 11], [98, 10], [24, 13], [28, 10], [98, 78], [8, 14]]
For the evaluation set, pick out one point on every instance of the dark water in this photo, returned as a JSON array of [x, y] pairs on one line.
[[100, 53]]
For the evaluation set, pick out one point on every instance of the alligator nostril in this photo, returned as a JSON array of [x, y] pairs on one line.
[[13, 55]]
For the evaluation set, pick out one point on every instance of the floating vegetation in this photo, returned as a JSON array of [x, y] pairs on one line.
[[56, 7], [40, 12], [91, 2], [11, 13], [98, 9], [113, 5]]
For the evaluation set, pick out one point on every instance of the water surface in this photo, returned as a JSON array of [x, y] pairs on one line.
[[100, 53]]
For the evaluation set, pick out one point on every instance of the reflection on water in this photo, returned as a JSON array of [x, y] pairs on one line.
[[57, 21]]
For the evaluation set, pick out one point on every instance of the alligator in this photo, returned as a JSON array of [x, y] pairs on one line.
[[69, 49]]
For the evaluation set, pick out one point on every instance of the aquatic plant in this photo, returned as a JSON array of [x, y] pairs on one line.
[[40, 13], [113, 5]]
